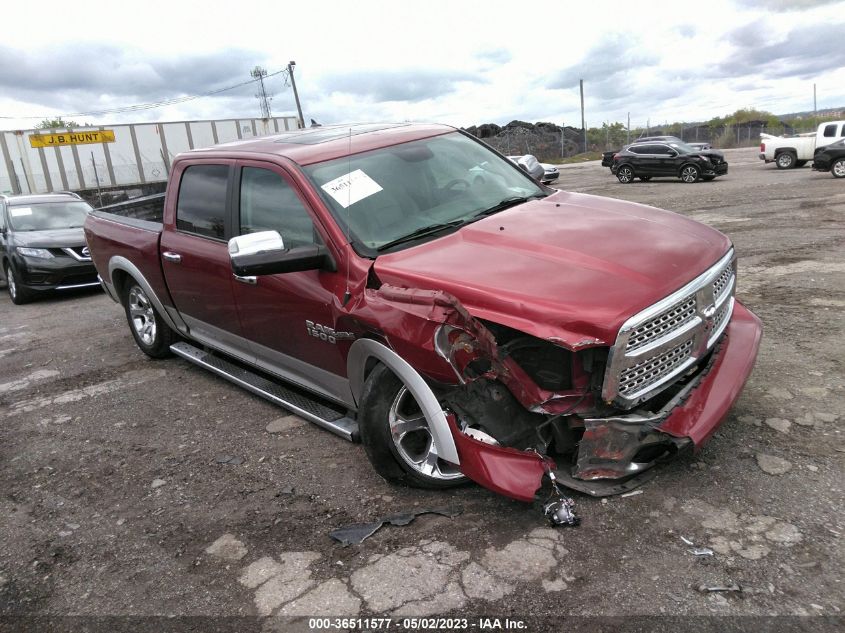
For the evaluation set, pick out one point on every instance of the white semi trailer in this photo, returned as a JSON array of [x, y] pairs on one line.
[[125, 155]]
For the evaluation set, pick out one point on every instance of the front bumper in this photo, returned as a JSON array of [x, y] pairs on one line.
[[57, 273], [518, 474], [717, 170], [821, 165]]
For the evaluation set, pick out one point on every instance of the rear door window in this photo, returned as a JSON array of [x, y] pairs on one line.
[[830, 130], [201, 206]]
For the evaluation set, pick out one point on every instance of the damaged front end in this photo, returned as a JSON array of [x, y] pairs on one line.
[[529, 413]]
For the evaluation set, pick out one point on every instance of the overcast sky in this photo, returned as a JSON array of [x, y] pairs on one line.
[[461, 63]]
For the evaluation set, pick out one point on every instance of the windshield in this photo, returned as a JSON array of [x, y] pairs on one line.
[[683, 148], [416, 189], [48, 215]]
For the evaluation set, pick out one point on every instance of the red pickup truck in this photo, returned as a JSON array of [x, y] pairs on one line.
[[407, 286]]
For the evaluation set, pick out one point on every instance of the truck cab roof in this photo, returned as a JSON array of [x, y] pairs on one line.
[[314, 145]]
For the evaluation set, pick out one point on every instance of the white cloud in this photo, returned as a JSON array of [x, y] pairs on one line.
[[460, 63]]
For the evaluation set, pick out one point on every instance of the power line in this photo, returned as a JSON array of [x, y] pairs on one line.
[[152, 105]]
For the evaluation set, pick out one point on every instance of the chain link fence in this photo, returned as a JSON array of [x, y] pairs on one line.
[[550, 142]]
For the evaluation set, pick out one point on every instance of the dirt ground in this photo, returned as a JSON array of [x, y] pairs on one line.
[[132, 487]]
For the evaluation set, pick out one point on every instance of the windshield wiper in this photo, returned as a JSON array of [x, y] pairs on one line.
[[421, 232], [507, 203]]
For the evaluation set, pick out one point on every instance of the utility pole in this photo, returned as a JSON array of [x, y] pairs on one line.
[[259, 73], [291, 64], [583, 123], [562, 137], [815, 109], [628, 133]]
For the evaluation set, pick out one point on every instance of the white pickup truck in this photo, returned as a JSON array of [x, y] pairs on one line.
[[795, 151]]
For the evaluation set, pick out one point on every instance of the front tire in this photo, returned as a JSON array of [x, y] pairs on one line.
[[152, 335], [690, 174], [395, 436], [625, 174], [17, 293], [838, 168], [707, 178], [785, 160]]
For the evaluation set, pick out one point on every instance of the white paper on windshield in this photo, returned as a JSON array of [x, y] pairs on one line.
[[19, 211], [351, 188]]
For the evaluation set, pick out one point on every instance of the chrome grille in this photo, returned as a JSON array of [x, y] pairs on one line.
[[672, 319], [651, 370], [659, 344], [723, 281], [720, 320]]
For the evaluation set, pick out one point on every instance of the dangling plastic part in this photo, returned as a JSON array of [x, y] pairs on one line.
[[558, 508]]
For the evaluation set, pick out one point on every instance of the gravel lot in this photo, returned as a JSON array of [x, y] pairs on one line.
[[120, 496]]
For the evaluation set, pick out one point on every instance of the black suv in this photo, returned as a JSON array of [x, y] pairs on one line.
[[831, 157], [679, 160], [42, 246]]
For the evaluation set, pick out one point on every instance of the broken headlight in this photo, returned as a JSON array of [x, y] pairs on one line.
[[462, 351]]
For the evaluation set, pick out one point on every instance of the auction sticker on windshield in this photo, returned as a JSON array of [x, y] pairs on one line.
[[351, 188], [19, 211]]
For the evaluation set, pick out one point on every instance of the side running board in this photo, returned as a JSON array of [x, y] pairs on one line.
[[306, 406]]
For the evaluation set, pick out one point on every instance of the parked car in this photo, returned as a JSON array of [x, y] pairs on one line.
[[42, 245], [550, 173], [530, 164], [831, 157], [607, 157], [648, 160], [363, 280], [795, 151]]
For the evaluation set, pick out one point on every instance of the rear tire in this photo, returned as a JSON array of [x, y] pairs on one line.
[[625, 174], [395, 436], [152, 335], [785, 160], [838, 168], [800, 163], [645, 178], [17, 293]]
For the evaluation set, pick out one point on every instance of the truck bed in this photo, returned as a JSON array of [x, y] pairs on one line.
[[137, 240]]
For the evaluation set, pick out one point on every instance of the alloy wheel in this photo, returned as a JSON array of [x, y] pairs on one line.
[[838, 169], [785, 160], [625, 174], [10, 281], [143, 317], [412, 439], [689, 174]]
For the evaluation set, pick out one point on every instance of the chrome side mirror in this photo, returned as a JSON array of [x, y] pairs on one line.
[[254, 243], [264, 253]]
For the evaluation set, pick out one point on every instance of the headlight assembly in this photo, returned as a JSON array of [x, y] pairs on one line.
[[41, 253]]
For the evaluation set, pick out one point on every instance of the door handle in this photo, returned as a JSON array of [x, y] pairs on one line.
[[172, 257], [246, 280]]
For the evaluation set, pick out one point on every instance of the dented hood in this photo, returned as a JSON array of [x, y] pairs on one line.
[[570, 267]]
